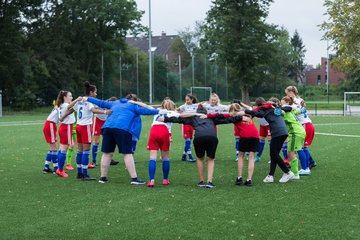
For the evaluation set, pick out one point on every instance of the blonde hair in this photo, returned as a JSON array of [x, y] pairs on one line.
[[234, 108], [214, 95], [292, 89], [168, 105]]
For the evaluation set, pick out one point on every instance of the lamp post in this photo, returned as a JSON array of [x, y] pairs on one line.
[[150, 56], [327, 70]]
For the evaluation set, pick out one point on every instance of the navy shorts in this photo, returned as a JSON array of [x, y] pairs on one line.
[[113, 137], [249, 145], [205, 144]]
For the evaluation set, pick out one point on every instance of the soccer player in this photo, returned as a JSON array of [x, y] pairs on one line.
[[205, 140], [214, 106], [279, 133], [49, 131], [85, 112], [159, 139], [69, 152], [296, 133], [306, 160], [190, 106], [67, 118]]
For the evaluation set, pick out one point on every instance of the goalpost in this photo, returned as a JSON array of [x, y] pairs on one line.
[[202, 93], [351, 103]]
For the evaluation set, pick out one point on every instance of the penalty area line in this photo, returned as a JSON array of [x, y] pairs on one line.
[[337, 135]]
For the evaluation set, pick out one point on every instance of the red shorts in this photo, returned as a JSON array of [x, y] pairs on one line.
[[310, 133], [264, 131], [159, 138], [83, 134], [49, 130], [187, 131], [65, 134], [98, 123]]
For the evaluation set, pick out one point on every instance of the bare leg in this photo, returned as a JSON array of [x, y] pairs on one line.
[[211, 164], [130, 165], [240, 164], [200, 168], [250, 165], [105, 163]]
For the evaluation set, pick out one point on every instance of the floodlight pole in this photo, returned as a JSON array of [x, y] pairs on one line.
[[180, 80], [120, 73], [150, 57], [193, 68], [102, 73], [327, 70]]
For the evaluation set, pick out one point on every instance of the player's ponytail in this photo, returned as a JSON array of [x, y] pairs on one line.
[[89, 88], [60, 97], [288, 100]]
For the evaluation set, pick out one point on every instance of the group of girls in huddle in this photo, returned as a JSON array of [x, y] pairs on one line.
[[281, 122]]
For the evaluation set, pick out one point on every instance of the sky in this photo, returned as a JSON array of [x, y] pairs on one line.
[[173, 16]]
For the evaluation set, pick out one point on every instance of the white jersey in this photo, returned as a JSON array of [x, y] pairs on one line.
[[100, 116], [168, 114], [216, 108], [54, 115], [70, 119], [302, 117], [84, 113], [188, 108]]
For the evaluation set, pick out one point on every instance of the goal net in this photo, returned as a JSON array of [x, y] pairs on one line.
[[202, 93], [351, 103]]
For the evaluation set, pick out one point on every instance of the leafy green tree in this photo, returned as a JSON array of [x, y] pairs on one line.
[[236, 33]]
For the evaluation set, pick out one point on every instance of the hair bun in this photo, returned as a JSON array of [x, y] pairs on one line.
[[87, 84]]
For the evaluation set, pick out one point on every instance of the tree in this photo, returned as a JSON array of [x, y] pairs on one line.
[[236, 32], [342, 30], [297, 66]]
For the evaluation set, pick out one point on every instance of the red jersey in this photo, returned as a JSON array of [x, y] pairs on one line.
[[245, 129]]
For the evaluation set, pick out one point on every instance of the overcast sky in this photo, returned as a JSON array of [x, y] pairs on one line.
[[172, 16]]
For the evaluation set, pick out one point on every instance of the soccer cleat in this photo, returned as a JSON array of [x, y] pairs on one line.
[[268, 179], [90, 166], [86, 177], [79, 176], [183, 158], [286, 177], [296, 177], [165, 182], [47, 170], [257, 158], [61, 173], [151, 183], [313, 164], [210, 185], [191, 160], [238, 181], [201, 184], [236, 159], [304, 172], [114, 162], [69, 167], [103, 180], [248, 183], [137, 182]]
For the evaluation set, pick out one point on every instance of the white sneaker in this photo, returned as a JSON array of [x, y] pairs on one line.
[[286, 177], [268, 179], [296, 177], [303, 172]]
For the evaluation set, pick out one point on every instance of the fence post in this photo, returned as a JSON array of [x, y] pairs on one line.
[[315, 109], [0, 103]]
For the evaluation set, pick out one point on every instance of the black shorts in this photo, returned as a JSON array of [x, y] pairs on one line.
[[119, 137], [206, 145], [249, 145]]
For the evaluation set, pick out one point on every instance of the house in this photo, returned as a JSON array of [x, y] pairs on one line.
[[318, 76]]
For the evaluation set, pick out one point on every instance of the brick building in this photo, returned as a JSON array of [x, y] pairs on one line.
[[318, 76]]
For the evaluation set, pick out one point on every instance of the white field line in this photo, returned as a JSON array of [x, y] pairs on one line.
[[329, 124], [25, 123], [337, 135]]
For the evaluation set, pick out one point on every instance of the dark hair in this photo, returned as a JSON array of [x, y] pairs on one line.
[[60, 97], [133, 97], [236, 101], [201, 109], [89, 88], [260, 101], [192, 97]]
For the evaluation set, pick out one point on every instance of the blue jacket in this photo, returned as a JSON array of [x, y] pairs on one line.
[[125, 115]]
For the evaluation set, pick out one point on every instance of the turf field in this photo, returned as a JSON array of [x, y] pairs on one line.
[[324, 205]]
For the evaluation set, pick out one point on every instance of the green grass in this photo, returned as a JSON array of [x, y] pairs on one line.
[[324, 205]]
